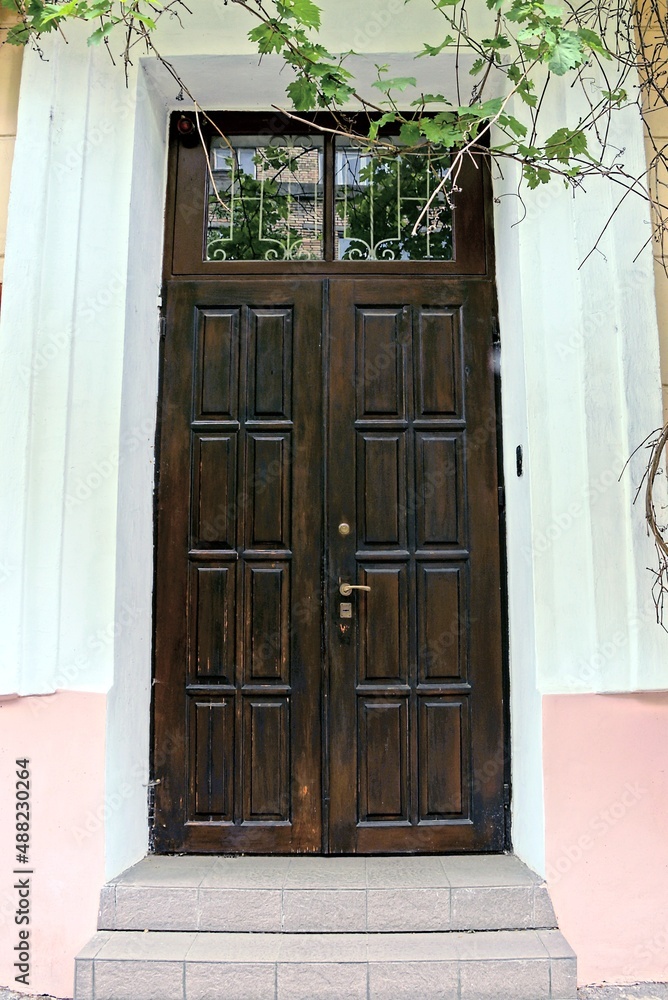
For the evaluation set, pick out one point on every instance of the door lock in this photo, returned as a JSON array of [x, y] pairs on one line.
[[346, 589]]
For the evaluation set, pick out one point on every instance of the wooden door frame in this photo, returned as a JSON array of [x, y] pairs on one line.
[[480, 264]]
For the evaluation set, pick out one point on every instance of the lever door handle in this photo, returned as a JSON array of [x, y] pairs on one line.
[[346, 589]]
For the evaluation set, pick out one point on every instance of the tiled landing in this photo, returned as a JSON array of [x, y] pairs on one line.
[[429, 928], [488, 965], [327, 895]]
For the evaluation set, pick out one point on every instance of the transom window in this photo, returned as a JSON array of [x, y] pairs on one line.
[[315, 197]]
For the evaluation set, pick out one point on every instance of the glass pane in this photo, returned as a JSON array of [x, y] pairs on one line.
[[265, 199], [379, 198]]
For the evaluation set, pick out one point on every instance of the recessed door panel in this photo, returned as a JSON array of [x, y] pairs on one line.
[[383, 613], [438, 374], [212, 768], [217, 381], [214, 604]]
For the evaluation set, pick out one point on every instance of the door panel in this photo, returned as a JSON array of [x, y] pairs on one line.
[[416, 673], [239, 561]]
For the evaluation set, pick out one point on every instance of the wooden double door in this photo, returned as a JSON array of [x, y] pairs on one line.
[[319, 434]]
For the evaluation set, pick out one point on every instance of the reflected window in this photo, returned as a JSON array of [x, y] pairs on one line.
[[265, 199], [379, 198]]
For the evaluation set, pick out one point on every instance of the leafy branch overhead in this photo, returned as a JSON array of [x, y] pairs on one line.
[[496, 113]]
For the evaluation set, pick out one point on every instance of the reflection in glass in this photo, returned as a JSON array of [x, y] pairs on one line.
[[265, 199], [379, 197]]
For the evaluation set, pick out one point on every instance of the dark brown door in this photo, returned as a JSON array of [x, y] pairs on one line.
[[416, 672], [290, 717], [238, 638]]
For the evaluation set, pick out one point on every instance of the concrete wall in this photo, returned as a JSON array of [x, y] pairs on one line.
[[606, 803], [64, 737]]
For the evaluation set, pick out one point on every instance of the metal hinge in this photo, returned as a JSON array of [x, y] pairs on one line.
[[163, 327], [496, 333], [502, 498]]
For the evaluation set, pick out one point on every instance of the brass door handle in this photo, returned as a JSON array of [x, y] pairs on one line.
[[346, 589]]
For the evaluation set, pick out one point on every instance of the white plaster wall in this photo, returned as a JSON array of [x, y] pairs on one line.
[[78, 387]]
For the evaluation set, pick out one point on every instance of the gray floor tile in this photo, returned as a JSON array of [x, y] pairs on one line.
[[106, 917], [255, 948], [543, 911], [92, 948], [156, 946], [390, 873], [322, 982], [492, 908], [563, 978], [491, 869], [491, 980], [230, 982], [138, 980], [326, 873], [413, 981], [490, 945], [149, 908], [83, 979], [167, 871], [412, 948], [247, 873], [333, 910], [327, 948], [240, 910], [408, 909], [555, 944]]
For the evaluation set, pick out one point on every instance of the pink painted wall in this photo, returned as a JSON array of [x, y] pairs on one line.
[[606, 813], [64, 737]]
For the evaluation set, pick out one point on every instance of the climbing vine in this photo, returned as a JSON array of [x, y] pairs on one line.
[[501, 85]]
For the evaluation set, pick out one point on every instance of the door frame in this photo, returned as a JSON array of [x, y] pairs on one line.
[[479, 265]]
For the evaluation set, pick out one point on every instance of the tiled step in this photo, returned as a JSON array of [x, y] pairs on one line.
[[486, 965], [327, 895]]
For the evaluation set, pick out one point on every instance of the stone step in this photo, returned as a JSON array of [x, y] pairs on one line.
[[327, 895], [485, 965]]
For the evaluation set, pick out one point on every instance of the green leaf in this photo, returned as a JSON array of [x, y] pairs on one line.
[[303, 93], [410, 134], [515, 126], [101, 33], [267, 37], [564, 143], [441, 133], [593, 41], [477, 66], [395, 83], [615, 96], [303, 11], [566, 54], [430, 99], [434, 50], [376, 126], [54, 11], [536, 175]]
